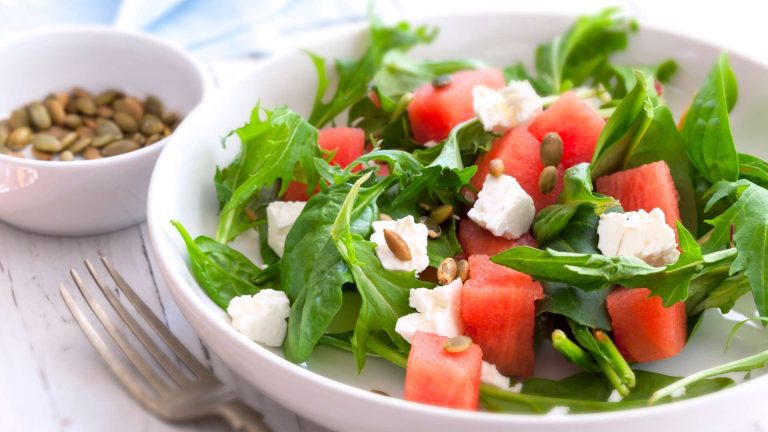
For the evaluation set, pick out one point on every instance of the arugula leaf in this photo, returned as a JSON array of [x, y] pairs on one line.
[[316, 290], [447, 245], [384, 293], [753, 169], [222, 272], [574, 57], [354, 75], [749, 217], [721, 293], [271, 150], [642, 131], [707, 127], [619, 80], [577, 192], [465, 143]]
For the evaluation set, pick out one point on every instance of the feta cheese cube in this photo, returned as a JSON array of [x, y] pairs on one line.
[[437, 312], [640, 234], [503, 207], [414, 234], [262, 316], [280, 218], [508, 107], [490, 375]]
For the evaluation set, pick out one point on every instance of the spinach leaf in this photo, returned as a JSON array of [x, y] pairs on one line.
[[354, 75], [753, 169], [222, 272], [577, 192], [384, 293], [316, 290], [620, 80], [749, 218], [707, 128], [271, 150], [642, 131]]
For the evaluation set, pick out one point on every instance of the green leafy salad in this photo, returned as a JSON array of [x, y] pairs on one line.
[[456, 218]]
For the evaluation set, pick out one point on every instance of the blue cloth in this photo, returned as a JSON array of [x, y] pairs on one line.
[[212, 28]]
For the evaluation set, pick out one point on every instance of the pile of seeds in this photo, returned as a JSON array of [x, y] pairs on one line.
[[76, 124]]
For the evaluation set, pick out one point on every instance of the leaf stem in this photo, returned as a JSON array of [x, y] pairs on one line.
[[615, 358], [571, 351], [386, 352]]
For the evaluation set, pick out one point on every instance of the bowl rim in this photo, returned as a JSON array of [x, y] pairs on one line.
[[204, 82], [179, 288]]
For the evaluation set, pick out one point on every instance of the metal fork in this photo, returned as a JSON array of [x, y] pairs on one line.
[[174, 395]]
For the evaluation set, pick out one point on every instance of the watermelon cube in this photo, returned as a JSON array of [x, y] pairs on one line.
[[497, 307], [433, 112], [347, 143], [519, 150], [435, 376], [644, 188], [577, 123], [644, 329], [476, 240]]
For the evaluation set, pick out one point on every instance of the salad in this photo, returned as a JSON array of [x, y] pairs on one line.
[[454, 217]]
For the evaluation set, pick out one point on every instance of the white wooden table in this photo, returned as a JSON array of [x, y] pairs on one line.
[[51, 379]]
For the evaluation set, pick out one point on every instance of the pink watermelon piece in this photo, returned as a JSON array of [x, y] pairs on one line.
[[435, 376], [577, 123], [519, 150], [476, 240], [644, 329], [433, 112], [497, 307]]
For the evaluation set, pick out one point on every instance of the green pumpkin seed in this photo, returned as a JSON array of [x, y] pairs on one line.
[[85, 105], [126, 122], [61, 97], [151, 125], [547, 179], [441, 214], [397, 245], [130, 106], [102, 140], [68, 139], [154, 106], [551, 150], [73, 121], [171, 119], [107, 97], [457, 344], [80, 145], [71, 106], [153, 139], [19, 138], [104, 111], [66, 156], [19, 118], [85, 132], [41, 155], [39, 116], [91, 153], [46, 143], [108, 127], [120, 147], [55, 111], [138, 138], [462, 269], [57, 131], [80, 92], [442, 81], [5, 132], [446, 271]]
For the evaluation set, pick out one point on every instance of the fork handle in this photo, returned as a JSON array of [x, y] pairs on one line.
[[241, 417]]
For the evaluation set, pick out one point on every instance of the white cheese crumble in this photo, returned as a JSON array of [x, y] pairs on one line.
[[558, 411], [615, 396], [414, 234], [508, 107], [640, 234], [262, 316], [280, 218], [437, 312], [490, 375], [503, 207]]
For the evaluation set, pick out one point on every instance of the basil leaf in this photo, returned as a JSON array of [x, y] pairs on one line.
[[749, 218], [222, 272], [271, 150], [707, 127], [384, 293], [577, 192], [354, 75]]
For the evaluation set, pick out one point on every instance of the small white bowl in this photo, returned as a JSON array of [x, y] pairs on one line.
[[96, 196]]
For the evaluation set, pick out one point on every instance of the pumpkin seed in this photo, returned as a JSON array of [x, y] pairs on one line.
[[73, 121], [107, 97], [457, 344], [56, 111], [68, 139], [91, 153], [80, 92], [80, 145], [442, 81], [130, 106], [171, 119], [4, 150], [41, 155], [379, 392], [19, 118], [70, 106], [462, 269], [85, 132], [104, 111], [446, 271], [153, 139], [57, 132], [66, 156], [496, 167], [5, 131], [441, 214], [397, 245], [85, 105], [61, 97], [46, 143], [90, 122], [154, 106], [126, 122], [108, 127], [119, 147], [433, 229], [547, 179], [151, 125], [19, 138], [551, 150], [39, 116], [102, 140]]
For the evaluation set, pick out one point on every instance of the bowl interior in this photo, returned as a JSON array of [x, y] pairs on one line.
[[182, 183]]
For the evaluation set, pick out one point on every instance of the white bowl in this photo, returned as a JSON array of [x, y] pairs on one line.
[[88, 197], [327, 389]]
